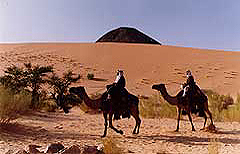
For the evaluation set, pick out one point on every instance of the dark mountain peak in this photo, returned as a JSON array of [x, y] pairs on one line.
[[127, 35]]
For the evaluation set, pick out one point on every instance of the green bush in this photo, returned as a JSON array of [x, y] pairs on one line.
[[156, 107], [90, 76], [60, 87], [13, 105], [28, 77], [233, 112], [218, 104]]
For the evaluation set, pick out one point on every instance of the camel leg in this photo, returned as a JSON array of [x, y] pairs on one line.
[[205, 117], [190, 119], [111, 125], [105, 124], [135, 114], [208, 112], [210, 116], [178, 120]]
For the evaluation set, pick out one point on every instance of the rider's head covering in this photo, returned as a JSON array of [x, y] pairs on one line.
[[188, 73], [120, 72]]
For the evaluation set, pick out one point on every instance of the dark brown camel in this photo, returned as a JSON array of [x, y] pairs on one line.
[[181, 104], [107, 108]]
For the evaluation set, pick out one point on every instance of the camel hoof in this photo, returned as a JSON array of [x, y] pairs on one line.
[[176, 130], [103, 136], [193, 129], [121, 132], [202, 128]]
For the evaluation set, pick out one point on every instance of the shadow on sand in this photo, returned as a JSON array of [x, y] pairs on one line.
[[22, 133], [187, 140], [99, 79]]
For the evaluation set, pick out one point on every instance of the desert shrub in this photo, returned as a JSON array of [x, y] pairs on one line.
[[41, 102], [14, 79], [233, 112], [49, 105], [60, 87], [155, 107], [112, 146], [218, 104], [90, 76], [28, 77], [12, 105], [213, 146]]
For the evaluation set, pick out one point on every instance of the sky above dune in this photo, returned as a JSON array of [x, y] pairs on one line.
[[212, 24]]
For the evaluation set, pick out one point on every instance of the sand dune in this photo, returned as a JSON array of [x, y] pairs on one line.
[[144, 65]]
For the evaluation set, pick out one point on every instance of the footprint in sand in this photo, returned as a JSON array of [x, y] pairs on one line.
[[230, 74]]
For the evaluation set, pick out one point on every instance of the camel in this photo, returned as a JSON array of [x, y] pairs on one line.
[[107, 108], [202, 102]]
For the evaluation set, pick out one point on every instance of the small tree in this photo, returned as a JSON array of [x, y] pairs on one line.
[[35, 77], [14, 79], [60, 86], [27, 77]]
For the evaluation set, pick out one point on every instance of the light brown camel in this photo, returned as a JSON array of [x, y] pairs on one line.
[[107, 108], [201, 101]]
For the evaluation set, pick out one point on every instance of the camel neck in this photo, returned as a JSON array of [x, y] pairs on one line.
[[93, 104], [170, 99]]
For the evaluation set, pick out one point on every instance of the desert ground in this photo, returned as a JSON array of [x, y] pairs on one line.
[[156, 135], [144, 65]]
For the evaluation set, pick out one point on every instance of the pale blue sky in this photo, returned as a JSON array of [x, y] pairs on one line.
[[213, 24]]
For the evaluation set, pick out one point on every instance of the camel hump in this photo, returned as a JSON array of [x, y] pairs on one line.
[[133, 98]]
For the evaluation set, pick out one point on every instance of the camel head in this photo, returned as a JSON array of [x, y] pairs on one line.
[[158, 86], [77, 91]]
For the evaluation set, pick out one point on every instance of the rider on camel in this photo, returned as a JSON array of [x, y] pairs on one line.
[[119, 89], [189, 86], [189, 90], [120, 80]]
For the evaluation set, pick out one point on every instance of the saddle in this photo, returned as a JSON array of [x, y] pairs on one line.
[[120, 99], [192, 95]]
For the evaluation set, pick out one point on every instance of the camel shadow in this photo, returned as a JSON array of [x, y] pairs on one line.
[[49, 117], [22, 133], [187, 140], [19, 133], [231, 132]]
